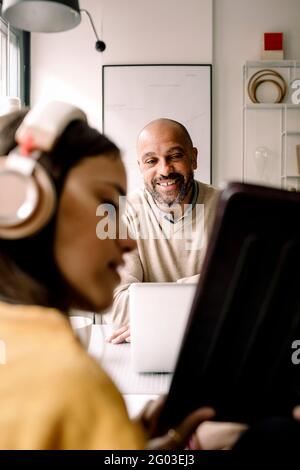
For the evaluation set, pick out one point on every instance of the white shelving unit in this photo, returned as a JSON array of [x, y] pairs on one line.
[[271, 132]]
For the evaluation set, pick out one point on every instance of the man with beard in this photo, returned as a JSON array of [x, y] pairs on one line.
[[170, 217]]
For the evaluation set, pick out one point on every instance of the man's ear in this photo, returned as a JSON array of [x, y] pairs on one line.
[[138, 162], [194, 158]]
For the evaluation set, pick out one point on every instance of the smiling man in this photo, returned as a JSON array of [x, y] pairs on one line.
[[170, 217], [167, 160]]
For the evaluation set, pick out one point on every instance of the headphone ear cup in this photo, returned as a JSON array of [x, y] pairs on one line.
[[46, 203]]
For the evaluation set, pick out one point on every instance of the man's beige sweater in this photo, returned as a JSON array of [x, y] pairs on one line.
[[166, 251]]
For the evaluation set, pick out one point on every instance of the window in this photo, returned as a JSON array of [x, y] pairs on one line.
[[14, 62]]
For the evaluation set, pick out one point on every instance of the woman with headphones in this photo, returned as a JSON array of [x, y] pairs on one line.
[[54, 172]]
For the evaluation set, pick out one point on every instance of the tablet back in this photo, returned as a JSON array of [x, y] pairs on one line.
[[237, 351]]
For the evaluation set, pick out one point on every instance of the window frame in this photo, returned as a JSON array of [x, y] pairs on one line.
[[23, 38]]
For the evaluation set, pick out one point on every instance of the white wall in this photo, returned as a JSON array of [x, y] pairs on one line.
[[238, 29], [66, 65]]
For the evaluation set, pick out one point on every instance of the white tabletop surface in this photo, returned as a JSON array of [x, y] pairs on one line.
[[136, 388]]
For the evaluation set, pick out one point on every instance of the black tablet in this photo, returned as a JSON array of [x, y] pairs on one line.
[[237, 350]]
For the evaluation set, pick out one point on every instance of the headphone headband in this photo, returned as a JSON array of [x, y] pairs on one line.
[[27, 194], [44, 124]]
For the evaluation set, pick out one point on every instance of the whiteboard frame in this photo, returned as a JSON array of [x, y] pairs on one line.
[[106, 90]]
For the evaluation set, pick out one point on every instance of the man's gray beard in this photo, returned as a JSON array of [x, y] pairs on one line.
[[182, 193]]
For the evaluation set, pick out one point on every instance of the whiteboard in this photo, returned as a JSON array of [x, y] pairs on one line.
[[134, 95]]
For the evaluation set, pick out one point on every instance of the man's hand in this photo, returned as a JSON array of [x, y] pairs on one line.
[[213, 435], [176, 438], [121, 335]]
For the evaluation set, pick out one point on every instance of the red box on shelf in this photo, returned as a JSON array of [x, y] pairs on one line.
[[272, 46], [273, 41]]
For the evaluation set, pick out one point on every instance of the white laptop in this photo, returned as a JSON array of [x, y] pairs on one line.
[[158, 317]]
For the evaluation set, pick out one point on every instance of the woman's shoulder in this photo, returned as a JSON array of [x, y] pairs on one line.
[[62, 382], [42, 340]]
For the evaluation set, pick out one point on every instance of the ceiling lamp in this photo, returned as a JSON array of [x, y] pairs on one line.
[[46, 16]]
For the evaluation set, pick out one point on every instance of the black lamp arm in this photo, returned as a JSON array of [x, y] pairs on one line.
[[100, 45]]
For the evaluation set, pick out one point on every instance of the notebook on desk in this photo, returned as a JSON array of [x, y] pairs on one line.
[[158, 316], [237, 351]]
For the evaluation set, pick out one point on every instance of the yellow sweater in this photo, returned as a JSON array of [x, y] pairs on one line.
[[52, 394]]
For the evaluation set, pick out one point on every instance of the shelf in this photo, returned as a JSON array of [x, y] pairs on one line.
[[273, 126], [272, 63], [271, 106], [290, 176], [290, 133]]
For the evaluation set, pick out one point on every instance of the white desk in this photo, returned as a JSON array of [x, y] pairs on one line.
[[136, 388]]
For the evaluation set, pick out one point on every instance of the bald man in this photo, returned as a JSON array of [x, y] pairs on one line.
[[170, 217]]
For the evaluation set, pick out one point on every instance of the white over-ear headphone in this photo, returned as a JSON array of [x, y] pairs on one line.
[[27, 193]]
